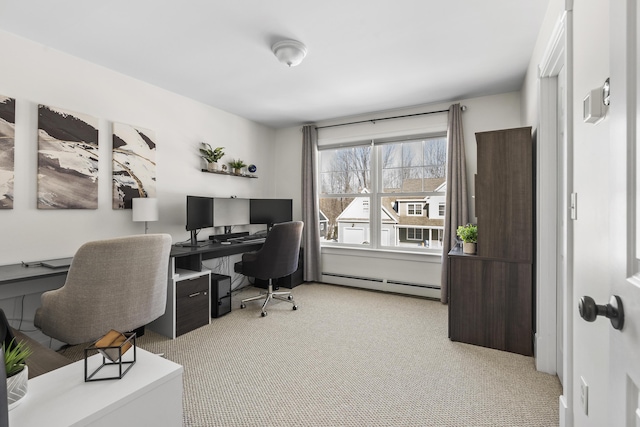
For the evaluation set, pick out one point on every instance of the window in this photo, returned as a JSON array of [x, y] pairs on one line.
[[414, 209], [414, 234], [441, 209], [378, 194]]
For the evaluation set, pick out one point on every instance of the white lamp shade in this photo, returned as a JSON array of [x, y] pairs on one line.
[[144, 209], [290, 52]]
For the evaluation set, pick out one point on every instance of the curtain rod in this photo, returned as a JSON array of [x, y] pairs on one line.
[[462, 108]]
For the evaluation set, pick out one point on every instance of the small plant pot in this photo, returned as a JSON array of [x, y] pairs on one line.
[[237, 171], [468, 248], [17, 387], [212, 167]]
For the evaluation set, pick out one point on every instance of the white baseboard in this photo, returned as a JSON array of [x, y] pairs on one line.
[[565, 414], [383, 285]]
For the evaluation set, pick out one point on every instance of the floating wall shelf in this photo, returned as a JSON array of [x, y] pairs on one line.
[[229, 173]]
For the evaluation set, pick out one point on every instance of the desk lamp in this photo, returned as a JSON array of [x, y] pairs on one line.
[[144, 209]]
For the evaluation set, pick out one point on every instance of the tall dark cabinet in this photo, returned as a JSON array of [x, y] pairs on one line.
[[491, 293]]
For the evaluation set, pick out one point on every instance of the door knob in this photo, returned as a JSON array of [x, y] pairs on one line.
[[589, 310]]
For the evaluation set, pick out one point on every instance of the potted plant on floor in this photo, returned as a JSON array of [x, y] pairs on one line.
[[237, 166], [469, 235], [211, 156], [15, 358]]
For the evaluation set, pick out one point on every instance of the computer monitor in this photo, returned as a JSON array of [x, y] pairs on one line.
[[229, 212], [271, 211], [199, 215]]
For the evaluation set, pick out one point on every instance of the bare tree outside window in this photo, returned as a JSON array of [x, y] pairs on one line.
[[412, 173]]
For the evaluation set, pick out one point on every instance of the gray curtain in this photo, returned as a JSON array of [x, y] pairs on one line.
[[456, 211], [310, 205]]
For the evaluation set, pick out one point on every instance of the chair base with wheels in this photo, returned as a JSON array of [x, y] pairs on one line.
[[271, 294]]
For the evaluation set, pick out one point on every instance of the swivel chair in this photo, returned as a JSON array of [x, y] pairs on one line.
[[116, 284], [277, 258]]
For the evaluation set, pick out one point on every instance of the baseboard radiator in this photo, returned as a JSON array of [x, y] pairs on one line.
[[380, 284]]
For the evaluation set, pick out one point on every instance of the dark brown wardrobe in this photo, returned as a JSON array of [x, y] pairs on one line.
[[491, 293]]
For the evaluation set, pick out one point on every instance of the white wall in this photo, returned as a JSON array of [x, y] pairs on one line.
[[34, 74], [482, 114], [590, 178], [591, 230]]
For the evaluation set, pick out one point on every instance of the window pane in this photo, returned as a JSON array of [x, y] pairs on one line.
[[346, 218], [345, 170], [409, 204], [413, 166]]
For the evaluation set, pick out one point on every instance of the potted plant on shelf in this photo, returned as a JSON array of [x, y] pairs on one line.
[[237, 165], [469, 235], [211, 156], [15, 357]]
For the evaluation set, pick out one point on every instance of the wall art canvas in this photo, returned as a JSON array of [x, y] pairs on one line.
[[67, 159], [7, 144], [134, 164]]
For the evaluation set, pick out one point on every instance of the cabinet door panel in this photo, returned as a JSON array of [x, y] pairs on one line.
[[504, 194]]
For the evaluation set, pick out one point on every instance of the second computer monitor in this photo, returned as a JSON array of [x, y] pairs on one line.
[[230, 212], [271, 211]]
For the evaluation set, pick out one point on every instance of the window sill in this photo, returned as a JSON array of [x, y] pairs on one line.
[[433, 257]]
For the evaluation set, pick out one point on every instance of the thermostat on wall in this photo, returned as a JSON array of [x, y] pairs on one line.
[[593, 109]]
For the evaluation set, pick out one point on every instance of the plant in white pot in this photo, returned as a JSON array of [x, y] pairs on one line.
[[237, 166], [211, 155], [469, 235], [15, 358]]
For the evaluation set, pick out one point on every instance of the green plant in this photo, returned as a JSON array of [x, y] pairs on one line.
[[237, 164], [15, 357], [211, 155], [468, 233]]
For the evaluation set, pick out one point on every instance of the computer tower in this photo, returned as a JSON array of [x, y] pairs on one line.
[[220, 295]]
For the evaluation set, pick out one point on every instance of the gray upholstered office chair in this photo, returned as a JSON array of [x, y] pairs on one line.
[[277, 258], [116, 284]]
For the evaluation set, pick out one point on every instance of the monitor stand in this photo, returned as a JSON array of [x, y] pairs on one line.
[[194, 241]]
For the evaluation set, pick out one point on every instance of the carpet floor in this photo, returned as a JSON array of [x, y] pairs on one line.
[[349, 357]]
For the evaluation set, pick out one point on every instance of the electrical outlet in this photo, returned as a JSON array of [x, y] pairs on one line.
[[584, 395]]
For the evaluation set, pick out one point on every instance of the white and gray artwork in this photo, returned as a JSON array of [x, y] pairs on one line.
[[7, 144], [67, 159], [134, 164]]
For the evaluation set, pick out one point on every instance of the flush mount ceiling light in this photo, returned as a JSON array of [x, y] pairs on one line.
[[290, 52]]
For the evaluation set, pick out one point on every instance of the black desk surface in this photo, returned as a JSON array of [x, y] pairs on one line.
[[215, 250], [18, 272]]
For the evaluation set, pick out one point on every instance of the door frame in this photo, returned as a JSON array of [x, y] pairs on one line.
[[559, 54]]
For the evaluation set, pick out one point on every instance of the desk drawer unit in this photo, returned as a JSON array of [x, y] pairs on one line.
[[192, 304]]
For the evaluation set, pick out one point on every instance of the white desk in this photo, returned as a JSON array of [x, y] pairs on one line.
[[149, 394]]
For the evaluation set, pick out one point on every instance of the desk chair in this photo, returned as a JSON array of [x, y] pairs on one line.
[[277, 258], [116, 284]]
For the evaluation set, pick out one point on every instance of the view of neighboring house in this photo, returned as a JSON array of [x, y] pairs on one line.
[[405, 220]]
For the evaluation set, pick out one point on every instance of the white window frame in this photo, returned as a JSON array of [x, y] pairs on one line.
[[375, 196], [416, 207]]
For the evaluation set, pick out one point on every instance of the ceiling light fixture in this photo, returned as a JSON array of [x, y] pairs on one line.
[[290, 52]]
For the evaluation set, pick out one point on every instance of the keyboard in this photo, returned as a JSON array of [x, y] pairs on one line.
[[247, 239], [256, 240]]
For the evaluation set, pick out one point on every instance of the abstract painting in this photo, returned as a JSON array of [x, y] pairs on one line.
[[134, 164], [67, 159], [7, 144]]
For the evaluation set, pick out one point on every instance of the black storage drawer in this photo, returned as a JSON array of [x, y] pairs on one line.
[[192, 304]]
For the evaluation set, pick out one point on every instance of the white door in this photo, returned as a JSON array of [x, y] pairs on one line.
[[624, 345]]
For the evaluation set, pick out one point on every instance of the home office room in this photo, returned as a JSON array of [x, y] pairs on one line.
[[250, 214]]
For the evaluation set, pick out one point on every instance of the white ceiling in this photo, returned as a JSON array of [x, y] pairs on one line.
[[363, 55]]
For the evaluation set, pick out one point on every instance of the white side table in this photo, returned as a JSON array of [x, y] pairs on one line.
[[149, 394]]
